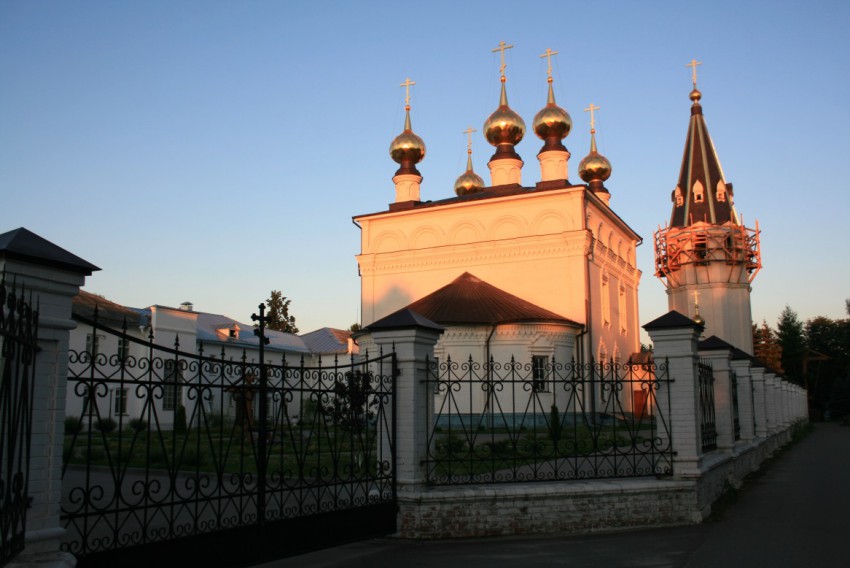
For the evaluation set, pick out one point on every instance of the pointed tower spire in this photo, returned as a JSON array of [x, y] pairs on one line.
[[407, 149], [701, 194], [706, 251], [504, 129]]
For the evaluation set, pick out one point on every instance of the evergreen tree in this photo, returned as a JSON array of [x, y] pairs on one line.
[[767, 348], [277, 313], [792, 338]]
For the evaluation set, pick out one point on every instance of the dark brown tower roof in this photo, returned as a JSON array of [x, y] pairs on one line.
[[470, 300], [702, 194]]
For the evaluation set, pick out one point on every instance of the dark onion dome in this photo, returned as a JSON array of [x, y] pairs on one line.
[[504, 128], [468, 182], [594, 167], [552, 124], [407, 149]]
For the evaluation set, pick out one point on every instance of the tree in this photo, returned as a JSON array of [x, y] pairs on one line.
[[830, 340], [766, 347], [355, 327], [792, 339], [277, 313]]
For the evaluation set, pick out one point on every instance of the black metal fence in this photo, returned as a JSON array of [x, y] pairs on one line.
[[545, 420], [708, 426], [221, 448], [18, 348]]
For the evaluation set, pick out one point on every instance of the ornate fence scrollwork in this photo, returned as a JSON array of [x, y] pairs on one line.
[[207, 443], [512, 422]]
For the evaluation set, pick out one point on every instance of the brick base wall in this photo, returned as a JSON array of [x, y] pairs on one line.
[[575, 507]]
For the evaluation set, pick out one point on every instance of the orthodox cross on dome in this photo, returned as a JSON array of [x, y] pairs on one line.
[[468, 133], [693, 65], [548, 55], [502, 47], [696, 299], [407, 84], [591, 109]]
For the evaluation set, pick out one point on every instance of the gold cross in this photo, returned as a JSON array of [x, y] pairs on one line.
[[590, 109], [693, 65], [502, 47], [468, 133], [548, 55], [407, 84], [696, 298]]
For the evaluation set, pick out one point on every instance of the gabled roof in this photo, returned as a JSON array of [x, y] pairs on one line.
[[108, 313], [403, 318], [327, 340], [671, 319], [701, 168], [23, 244], [470, 300]]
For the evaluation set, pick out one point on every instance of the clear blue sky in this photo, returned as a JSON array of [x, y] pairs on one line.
[[213, 151]]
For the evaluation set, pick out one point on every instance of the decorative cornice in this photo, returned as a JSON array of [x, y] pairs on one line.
[[565, 245]]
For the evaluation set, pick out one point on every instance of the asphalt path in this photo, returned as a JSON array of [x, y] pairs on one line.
[[794, 512]]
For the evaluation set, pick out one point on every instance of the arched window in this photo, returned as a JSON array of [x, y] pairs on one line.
[[721, 191], [678, 195], [699, 192], [606, 300]]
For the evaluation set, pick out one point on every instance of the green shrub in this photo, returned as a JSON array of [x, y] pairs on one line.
[[106, 425], [73, 425], [137, 425]]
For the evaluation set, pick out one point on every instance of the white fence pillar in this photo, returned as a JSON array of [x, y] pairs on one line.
[[53, 276], [760, 400], [746, 411], [413, 338], [674, 337]]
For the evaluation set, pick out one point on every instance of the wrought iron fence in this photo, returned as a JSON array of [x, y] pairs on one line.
[[546, 420], [172, 444], [708, 427], [18, 348]]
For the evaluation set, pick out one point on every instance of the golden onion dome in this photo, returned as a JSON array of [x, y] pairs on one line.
[[699, 320], [469, 181], [552, 122], [594, 166], [695, 95], [407, 149], [504, 126]]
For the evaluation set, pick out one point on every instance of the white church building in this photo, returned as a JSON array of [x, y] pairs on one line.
[[509, 268]]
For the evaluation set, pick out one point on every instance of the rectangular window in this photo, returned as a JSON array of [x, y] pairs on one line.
[[123, 349], [119, 398], [172, 394], [538, 373], [93, 344]]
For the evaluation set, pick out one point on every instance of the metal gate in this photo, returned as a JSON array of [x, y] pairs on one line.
[[230, 461], [18, 347]]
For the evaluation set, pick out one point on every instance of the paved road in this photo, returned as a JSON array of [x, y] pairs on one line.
[[793, 513]]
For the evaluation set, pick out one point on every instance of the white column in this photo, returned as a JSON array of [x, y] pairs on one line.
[[741, 367], [677, 347], [760, 401], [412, 345], [770, 403], [53, 287]]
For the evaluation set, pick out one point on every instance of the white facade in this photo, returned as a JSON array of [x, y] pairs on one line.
[[562, 249]]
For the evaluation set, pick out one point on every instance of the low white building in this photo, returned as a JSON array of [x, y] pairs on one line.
[[115, 367]]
